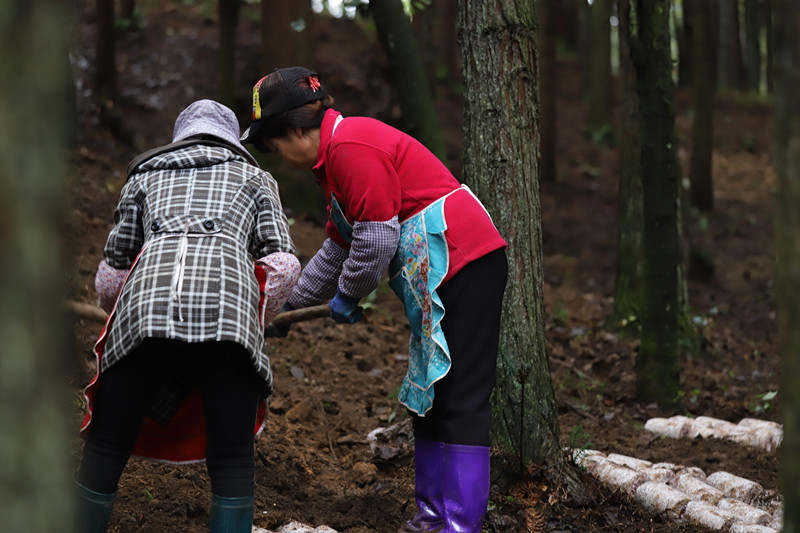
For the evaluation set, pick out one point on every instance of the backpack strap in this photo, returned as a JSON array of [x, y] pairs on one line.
[[204, 140]]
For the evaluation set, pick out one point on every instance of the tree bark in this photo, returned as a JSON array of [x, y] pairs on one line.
[[685, 45], [408, 75], [286, 34], [657, 372], [787, 162], [729, 63], [228, 11], [700, 172], [547, 87], [600, 65], [106, 73], [499, 67], [36, 493], [628, 285], [752, 24]]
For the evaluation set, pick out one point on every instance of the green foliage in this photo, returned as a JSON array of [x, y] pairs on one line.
[[602, 135], [579, 439], [762, 402], [561, 316]]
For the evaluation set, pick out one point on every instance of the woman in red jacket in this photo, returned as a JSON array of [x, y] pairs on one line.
[[393, 205]]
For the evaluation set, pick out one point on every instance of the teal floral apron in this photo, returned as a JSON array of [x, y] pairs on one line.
[[416, 271]]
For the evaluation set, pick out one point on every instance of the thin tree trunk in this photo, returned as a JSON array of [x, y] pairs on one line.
[[600, 65], [425, 27], [286, 34], [685, 45], [657, 371], [787, 162], [448, 45], [731, 68], [630, 220], [547, 86], [700, 172], [585, 46], [408, 75], [770, 43], [106, 73], [499, 66], [566, 22], [36, 490], [228, 11], [752, 24]]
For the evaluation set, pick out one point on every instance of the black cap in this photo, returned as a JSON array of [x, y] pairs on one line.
[[279, 91]]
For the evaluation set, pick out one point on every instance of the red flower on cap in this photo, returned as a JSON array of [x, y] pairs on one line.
[[313, 82]]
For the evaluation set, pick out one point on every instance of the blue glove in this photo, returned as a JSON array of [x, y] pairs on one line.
[[345, 309]]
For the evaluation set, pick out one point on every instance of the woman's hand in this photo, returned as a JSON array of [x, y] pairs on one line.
[[345, 309]]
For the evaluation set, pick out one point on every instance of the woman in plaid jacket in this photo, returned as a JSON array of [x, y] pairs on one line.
[[182, 368]]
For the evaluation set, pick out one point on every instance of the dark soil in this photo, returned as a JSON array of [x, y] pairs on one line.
[[336, 383]]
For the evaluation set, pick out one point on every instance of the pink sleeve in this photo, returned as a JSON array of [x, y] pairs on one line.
[[277, 275], [108, 283]]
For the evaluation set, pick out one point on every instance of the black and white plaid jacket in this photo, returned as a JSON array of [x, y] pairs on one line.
[[196, 218]]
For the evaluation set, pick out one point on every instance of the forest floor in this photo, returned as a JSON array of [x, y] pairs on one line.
[[336, 383]]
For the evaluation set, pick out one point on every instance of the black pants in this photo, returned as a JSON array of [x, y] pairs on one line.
[[472, 300], [231, 390]]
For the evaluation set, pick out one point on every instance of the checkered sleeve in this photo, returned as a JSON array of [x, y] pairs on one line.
[[271, 233], [319, 278], [127, 236], [374, 244]]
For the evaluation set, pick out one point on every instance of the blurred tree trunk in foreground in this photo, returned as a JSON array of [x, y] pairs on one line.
[[228, 12], [700, 171], [628, 285], [286, 40], [547, 89], [787, 162], [106, 63], [752, 25], [36, 490], [600, 65], [729, 62], [657, 370], [408, 75], [685, 44], [499, 66]]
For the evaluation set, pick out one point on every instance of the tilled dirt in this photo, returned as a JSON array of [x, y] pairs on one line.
[[335, 383]]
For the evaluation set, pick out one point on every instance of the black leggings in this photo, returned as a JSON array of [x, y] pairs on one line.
[[472, 299], [231, 390]]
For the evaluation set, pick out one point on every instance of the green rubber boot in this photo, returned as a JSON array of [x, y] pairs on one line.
[[231, 515], [94, 510]]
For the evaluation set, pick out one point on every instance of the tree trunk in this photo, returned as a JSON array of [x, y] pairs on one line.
[[499, 66], [600, 65], [628, 285], [228, 11], [787, 163], [565, 22], [657, 372], [36, 411], [547, 87], [685, 45], [702, 186], [767, 17], [425, 27], [585, 44], [126, 9], [448, 44], [408, 75], [286, 34], [752, 25], [729, 63], [106, 73]]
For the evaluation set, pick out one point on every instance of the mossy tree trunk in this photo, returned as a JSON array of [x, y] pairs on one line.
[[228, 11], [547, 89], [105, 54], [700, 172], [600, 65], [408, 75], [787, 162], [657, 370], [628, 285], [36, 490], [752, 30], [501, 139]]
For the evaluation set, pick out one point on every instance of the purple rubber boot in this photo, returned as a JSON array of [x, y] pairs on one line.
[[466, 487], [428, 466]]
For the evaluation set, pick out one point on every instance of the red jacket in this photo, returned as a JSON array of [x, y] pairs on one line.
[[378, 172]]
